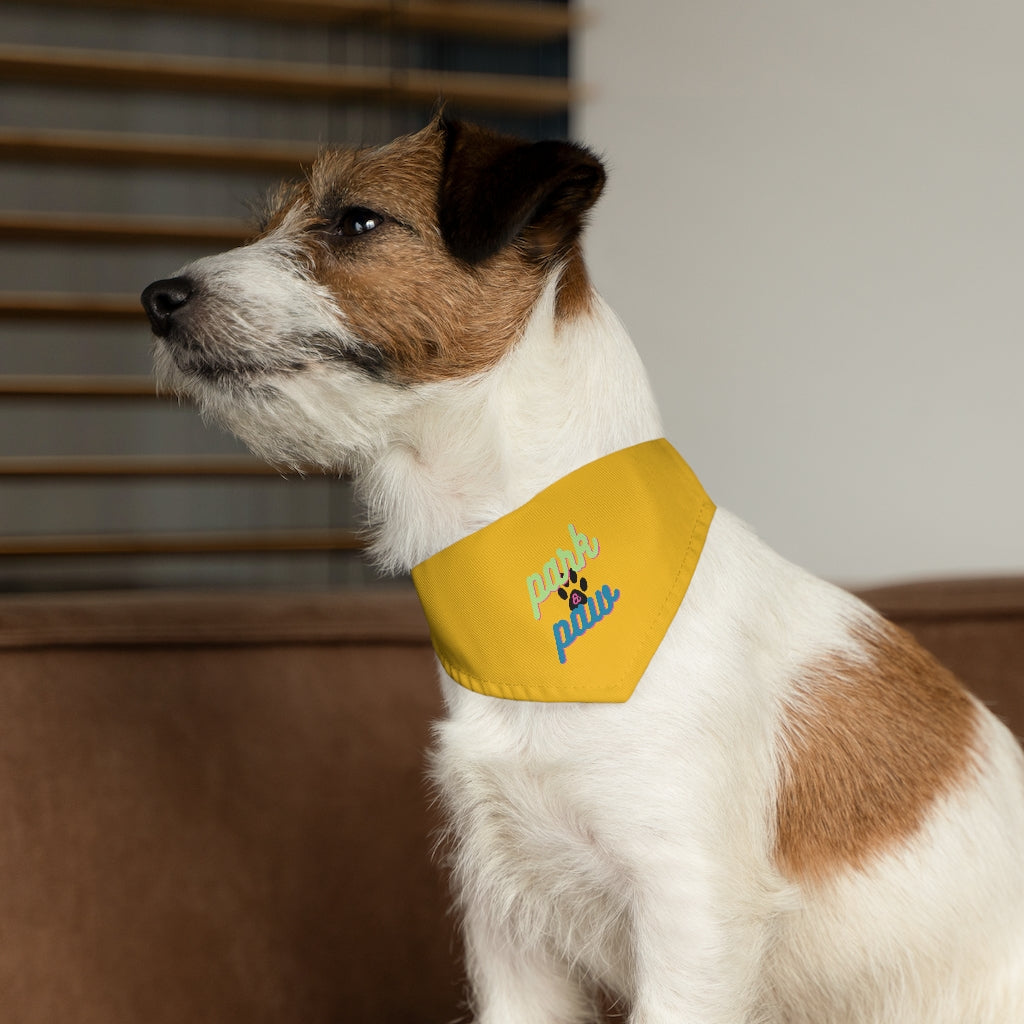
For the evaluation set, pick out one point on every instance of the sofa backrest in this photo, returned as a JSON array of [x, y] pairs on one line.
[[213, 809]]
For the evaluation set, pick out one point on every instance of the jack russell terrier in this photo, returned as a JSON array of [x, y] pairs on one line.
[[678, 771]]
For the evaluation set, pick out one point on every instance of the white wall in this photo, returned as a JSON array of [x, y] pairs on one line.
[[814, 229]]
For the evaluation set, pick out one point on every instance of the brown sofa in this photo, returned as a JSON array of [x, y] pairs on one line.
[[212, 806]]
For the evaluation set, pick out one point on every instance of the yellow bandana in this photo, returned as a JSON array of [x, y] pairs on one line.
[[567, 597]]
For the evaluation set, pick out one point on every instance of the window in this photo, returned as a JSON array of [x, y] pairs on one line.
[[131, 140]]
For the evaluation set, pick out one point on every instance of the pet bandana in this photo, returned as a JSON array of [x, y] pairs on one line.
[[567, 597]]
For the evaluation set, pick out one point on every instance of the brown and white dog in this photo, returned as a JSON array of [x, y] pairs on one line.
[[798, 816]]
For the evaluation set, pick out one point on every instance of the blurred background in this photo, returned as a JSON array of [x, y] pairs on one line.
[[813, 230]]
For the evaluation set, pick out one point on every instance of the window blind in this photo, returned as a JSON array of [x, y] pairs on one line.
[[131, 139]]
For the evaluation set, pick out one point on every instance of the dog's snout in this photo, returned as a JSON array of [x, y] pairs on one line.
[[162, 300]]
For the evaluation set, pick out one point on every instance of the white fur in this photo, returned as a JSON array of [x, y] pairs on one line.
[[630, 847]]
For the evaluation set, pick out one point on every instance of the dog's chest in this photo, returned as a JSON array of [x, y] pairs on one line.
[[529, 836]]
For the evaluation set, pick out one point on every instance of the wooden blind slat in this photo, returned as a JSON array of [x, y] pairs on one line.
[[142, 466], [69, 306], [77, 386], [17, 225], [503, 21], [179, 152], [484, 18], [193, 543], [67, 66]]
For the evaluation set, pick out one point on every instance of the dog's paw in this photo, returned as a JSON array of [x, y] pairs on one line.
[[575, 594]]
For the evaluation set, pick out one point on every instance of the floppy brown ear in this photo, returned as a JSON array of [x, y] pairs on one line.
[[496, 190]]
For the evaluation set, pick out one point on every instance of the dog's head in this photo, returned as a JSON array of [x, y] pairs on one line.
[[386, 271]]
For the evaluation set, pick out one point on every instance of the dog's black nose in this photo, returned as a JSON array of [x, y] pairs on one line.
[[163, 299]]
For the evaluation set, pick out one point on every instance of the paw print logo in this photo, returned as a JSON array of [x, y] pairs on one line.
[[576, 593]]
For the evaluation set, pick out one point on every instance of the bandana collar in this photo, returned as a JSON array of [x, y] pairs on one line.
[[567, 597]]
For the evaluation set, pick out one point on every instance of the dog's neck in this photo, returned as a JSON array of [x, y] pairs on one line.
[[471, 451]]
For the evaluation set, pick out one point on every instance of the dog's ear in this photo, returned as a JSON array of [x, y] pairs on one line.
[[496, 190]]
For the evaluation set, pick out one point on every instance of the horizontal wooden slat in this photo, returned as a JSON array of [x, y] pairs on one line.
[[69, 306], [383, 615], [120, 149], [254, 541], [21, 226], [142, 466], [76, 386], [477, 18], [65, 66]]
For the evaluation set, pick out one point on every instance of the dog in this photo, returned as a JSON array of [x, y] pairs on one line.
[[792, 814]]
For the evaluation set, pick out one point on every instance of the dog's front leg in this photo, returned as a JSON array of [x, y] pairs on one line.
[[512, 982], [699, 951]]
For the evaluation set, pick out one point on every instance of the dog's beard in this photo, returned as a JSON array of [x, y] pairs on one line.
[[224, 346], [298, 402]]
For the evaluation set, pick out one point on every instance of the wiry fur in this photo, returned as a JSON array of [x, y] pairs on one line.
[[724, 848]]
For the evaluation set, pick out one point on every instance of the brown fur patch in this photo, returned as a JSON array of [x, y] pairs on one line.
[[427, 315], [574, 289], [869, 745]]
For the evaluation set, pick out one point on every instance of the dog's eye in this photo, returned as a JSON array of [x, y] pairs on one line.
[[357, 220]]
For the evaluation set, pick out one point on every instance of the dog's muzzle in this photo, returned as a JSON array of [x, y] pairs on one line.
[[164, 302]]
